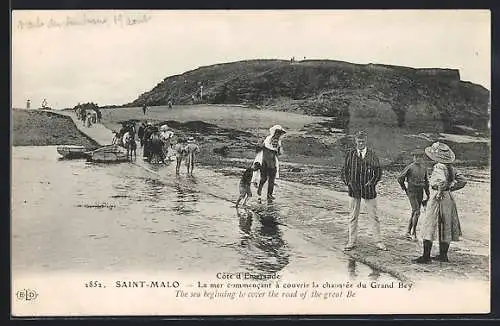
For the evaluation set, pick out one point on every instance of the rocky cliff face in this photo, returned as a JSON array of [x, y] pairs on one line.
[[354, 95]]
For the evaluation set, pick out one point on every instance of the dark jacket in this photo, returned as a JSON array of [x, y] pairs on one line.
[[361, 175], [140, 132], [148, 131], [416, 176], [269, 158]]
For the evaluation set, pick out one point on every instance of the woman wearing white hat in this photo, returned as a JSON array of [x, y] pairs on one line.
[[268, 158], [441, 219], [166, 137]]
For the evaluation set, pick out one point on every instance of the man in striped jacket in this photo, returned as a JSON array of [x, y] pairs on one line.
[[361, 173]]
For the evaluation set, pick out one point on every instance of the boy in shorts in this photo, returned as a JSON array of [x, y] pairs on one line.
[[415, 175], [246, 179]]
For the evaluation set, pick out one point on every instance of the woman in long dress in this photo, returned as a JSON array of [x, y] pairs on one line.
[[441, 220]]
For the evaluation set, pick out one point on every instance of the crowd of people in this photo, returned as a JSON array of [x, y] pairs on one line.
[[361, 172], [159, 144], [88, 113]]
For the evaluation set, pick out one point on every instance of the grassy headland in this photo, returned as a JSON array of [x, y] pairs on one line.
[[42, 128]]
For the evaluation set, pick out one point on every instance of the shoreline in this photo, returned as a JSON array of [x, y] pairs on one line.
[[394, 262]]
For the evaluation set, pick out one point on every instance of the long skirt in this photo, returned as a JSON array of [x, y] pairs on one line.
[[441, 220]]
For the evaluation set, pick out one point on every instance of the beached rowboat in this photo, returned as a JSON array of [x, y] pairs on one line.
[[72, 151], [108, 154]]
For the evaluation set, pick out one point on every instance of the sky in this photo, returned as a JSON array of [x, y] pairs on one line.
[[111, 57]]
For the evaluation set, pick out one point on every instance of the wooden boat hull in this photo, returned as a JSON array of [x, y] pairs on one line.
[[72, 151], [109, 154]]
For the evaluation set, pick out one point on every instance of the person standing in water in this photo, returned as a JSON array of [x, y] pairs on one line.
[[180, 152], [361, 173], [441, 216], [144, 108], [268, 159], [191, 150], [415, 174], [245, 182]]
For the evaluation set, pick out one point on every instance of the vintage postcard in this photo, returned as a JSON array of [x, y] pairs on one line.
[[250, 162]]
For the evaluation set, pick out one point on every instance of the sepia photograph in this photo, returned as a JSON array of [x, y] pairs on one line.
[[250, 162]]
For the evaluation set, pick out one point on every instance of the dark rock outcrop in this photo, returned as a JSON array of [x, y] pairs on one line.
[[355, 95]]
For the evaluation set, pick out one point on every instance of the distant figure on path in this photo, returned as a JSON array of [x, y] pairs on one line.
[[28, 104], [191, 151], [245, 182], [361, 173], [441, 217], [268, 159], [144, 108], [88, 120], [415, 174], [93, 116], [99, 115]]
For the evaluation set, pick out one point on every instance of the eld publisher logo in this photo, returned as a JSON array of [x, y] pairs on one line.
[[26, 295]]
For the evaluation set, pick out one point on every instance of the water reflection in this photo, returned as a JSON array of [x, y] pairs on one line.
[[192, 179], [154, 190], [186, 199], [245, 217], [351, 268], [263, 249], [155, 211], [353, 273]]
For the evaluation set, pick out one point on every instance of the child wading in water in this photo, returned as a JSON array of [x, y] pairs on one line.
[[246, 179], [191, 151], [180, 152]]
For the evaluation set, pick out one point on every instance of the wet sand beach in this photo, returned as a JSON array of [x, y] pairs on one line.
[[311, 205]]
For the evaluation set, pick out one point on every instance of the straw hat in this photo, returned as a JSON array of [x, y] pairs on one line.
[[440, 152], [276, 128], [190, 139]]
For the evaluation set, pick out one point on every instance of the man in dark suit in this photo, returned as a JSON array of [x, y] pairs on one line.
[[361, 173]]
